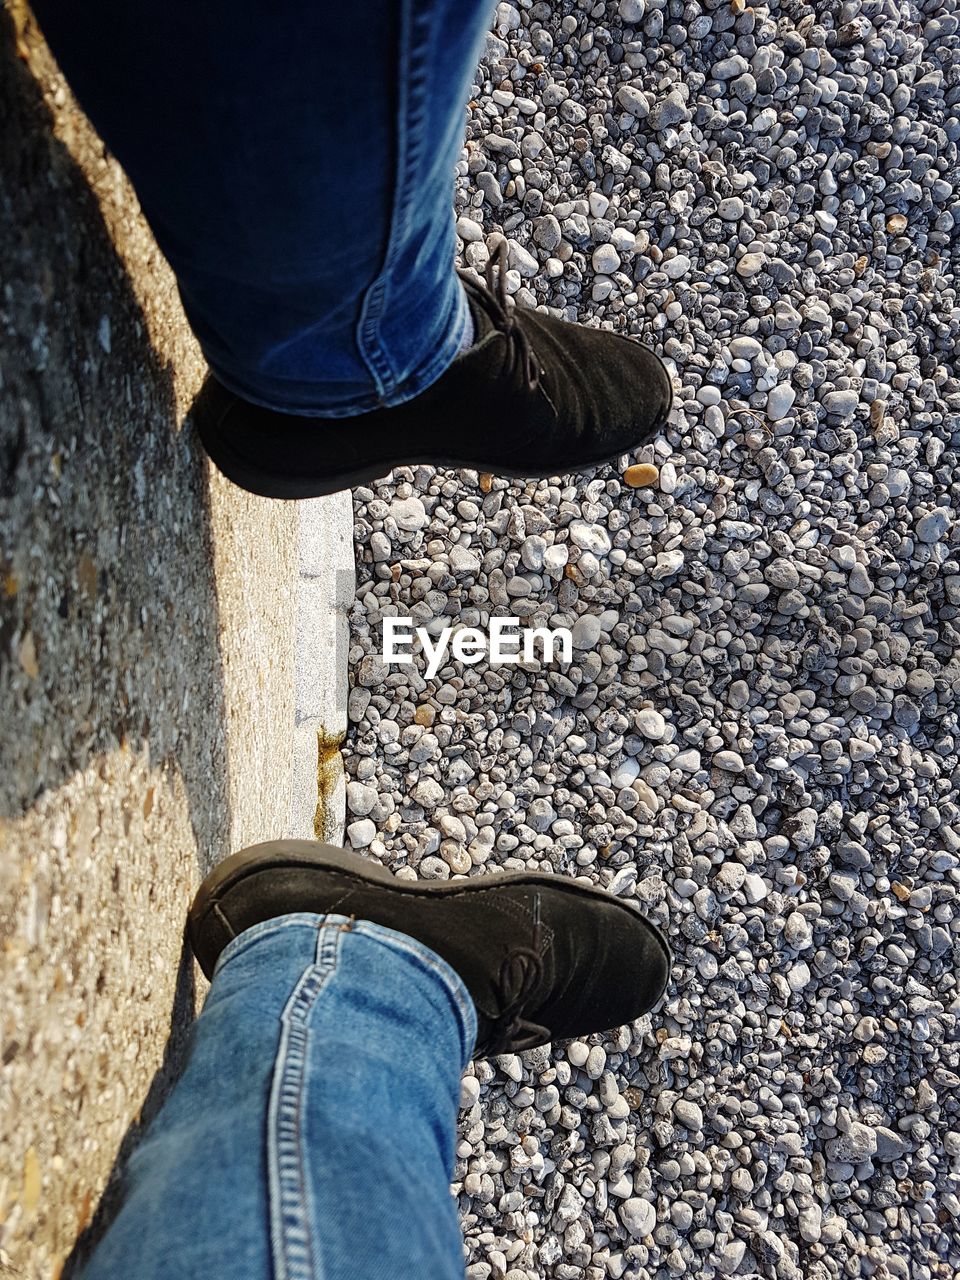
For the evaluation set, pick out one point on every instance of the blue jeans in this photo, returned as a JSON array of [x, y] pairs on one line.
[[311, 1136], [295, 163]]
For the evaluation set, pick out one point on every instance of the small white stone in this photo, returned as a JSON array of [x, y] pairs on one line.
[[668, 563], [428, 793], [634, 102], [586, 631], [361, 833], [470, 232], [745, 348], [464, 559], [678, 267], [555, 557], [469, 1092], [599, 204], [842, 403], [730, 209], [688, 1114], [751, 264], [647, 797], [360, 798], [780, 401], [688, 761], [409, 513], [651, 724], [809, 1221], [522, 260], [932, 527], [578, 1052], [638, 1216], [590, 537], [625, 774], [754, 888], [605, 259]]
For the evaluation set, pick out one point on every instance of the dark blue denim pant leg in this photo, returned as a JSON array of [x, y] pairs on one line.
[[311, 1136], [295, 162]]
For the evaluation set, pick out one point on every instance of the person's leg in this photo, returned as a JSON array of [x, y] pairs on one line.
[[295, 162], [299, 180], [312, 1133]]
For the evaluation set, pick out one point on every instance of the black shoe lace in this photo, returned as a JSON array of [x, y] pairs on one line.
[[522, 354], [520, 972]]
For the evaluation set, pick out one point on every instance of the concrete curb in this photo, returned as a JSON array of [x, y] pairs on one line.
[[325, 592]]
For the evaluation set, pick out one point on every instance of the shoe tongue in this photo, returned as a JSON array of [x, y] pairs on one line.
[[482, 322]]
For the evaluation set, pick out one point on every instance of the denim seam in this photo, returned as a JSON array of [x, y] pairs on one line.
[[411, 115], [291, 1231]]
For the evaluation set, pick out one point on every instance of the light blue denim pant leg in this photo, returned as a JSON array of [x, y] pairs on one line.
[[295, 162], [311, 1136]]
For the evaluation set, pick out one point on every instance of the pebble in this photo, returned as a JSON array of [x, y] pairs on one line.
[[469, 231], [361, 833], [667, 564], [678, 267], [547, 233], [744, 348], [641, 474], [810, 1223], [591, 537], [932, 527], [731, 1256], [689, 1115], [634, 101], [782, 573], [780, 401], [797, 932], [409, 514], [361, 798], [858, 1143], [688, 761], [751, 264], [469, 1092], [632, 11], [890, 1145], [731, 209], [586, 631], [727, 68], [638, 1216], [754, 888], [669, 111], [842, 403], [605, 259], [651, 724]]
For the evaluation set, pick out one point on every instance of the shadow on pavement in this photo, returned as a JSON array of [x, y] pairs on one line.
[[109, 629], [109, 624]]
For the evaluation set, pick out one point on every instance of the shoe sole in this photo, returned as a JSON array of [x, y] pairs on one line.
[[306, 853], [239, 471]]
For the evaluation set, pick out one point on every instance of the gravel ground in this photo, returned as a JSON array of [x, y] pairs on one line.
[[757, 739]]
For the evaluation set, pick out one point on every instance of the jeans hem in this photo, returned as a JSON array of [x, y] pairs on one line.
[[454, 985], [426, 374]]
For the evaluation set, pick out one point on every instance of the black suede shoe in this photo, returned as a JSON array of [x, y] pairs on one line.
[[533, 397], [543, 957]]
